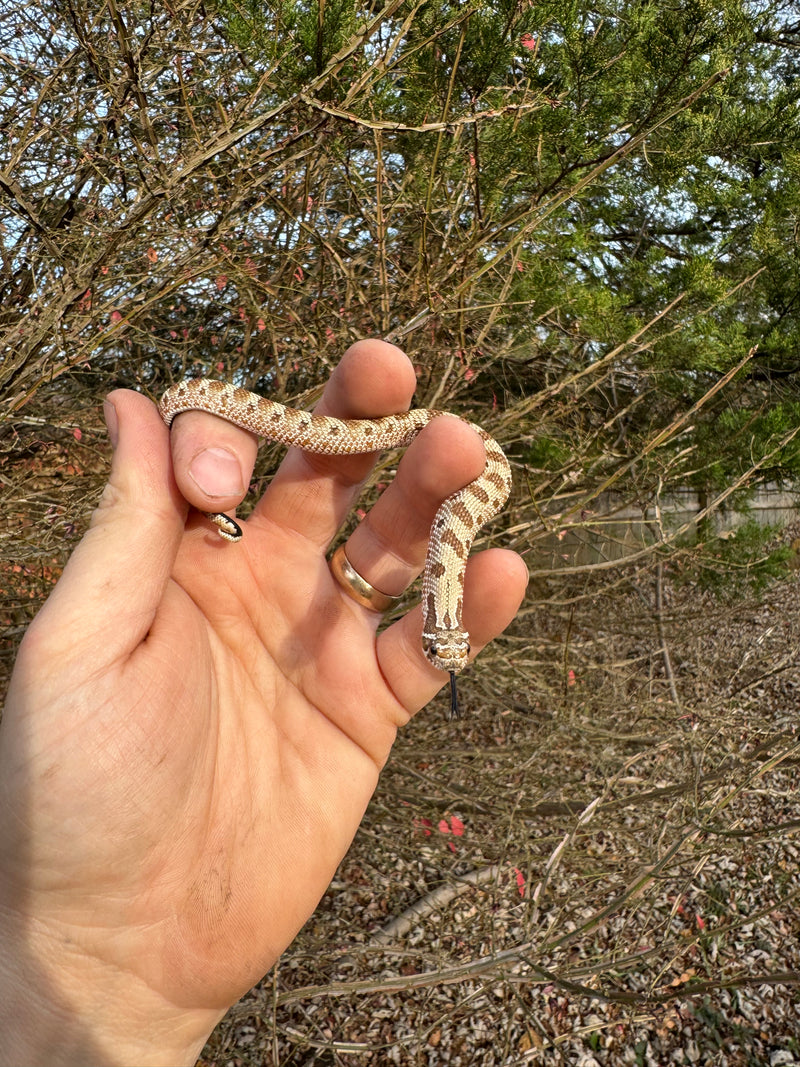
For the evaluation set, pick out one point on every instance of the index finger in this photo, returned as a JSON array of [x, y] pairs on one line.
[[312, 493]]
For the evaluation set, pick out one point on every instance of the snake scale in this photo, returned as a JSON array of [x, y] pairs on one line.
[[444, 640]]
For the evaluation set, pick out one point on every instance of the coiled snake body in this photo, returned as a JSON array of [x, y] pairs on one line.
[[444, 640]]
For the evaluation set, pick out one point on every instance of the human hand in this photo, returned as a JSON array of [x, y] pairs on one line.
[[193, 729]]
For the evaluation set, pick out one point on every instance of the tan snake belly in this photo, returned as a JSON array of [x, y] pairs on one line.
[[444, 640]]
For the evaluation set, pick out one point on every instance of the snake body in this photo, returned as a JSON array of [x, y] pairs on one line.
[[444, 640]]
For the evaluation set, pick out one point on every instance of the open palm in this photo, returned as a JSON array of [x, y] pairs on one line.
[[194, 729]]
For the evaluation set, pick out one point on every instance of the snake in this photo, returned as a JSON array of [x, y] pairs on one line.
[[445, 642]]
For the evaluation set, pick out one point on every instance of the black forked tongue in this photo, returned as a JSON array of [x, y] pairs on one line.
[[454, 712]]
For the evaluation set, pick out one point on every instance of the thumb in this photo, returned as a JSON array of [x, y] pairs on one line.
[[108, 595]]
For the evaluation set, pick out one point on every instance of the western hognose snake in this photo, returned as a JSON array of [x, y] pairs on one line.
[[444, 641]]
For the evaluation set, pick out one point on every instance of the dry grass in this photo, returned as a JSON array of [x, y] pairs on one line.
[[625, 776], [622, 793], [637, 862]]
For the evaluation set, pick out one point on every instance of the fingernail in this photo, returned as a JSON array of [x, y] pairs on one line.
[[112, 422], [216, 472]]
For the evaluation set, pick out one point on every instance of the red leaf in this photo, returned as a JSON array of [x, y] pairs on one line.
[[456, 825]]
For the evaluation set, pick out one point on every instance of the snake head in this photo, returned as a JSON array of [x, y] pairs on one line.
[[447, 650]]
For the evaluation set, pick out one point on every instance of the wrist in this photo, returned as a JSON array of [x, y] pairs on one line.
[[61, 1007]]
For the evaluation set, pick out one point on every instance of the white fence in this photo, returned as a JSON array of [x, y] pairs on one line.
[[613, 528]]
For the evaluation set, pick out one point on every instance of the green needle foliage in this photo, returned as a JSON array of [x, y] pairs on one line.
[[579, 219]]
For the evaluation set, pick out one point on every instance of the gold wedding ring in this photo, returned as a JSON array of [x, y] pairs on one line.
[[358, 588]]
